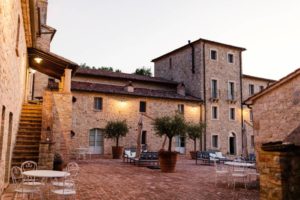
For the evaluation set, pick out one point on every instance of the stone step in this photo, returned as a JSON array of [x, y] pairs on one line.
[[26, 147], [31, 119], [36, 137], [27, 142], [30, 129]]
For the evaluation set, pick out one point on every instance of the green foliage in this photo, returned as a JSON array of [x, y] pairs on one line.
[[195, 132], [111, 69], [170, 127], [143, 71], [115, 130]]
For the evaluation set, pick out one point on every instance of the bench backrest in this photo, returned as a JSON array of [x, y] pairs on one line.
[[149, 156]]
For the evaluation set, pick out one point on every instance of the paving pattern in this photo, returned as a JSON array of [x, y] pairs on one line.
[[107, 179]]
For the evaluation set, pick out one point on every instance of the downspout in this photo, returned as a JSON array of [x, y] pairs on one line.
[[204, 95], [241, 94], [193, 56]]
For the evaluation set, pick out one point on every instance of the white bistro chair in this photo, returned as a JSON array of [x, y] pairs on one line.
[[20, 187], [220, 171], [28, 180], [239, 174], [66, 187]]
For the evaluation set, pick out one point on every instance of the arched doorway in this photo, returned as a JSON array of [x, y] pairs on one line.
[[232, 143]]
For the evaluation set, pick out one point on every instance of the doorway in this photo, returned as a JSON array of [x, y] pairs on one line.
[[9, 148], [180, 144], [96, 141], [232, 144]]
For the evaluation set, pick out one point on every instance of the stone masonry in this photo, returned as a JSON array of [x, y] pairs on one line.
[[13, 60]]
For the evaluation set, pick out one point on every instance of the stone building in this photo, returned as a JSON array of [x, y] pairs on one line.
[[102, 96], [276, 113], [25, 40], [212, 71]]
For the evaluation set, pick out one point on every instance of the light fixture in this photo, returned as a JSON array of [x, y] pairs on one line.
[[38, 60]]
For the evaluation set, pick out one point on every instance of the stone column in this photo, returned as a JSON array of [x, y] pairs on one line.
[[67, 81]]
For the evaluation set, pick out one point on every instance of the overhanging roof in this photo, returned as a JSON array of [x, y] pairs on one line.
[[52, 65]]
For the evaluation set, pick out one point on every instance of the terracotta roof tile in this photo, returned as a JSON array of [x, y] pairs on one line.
[[112, 89], [119, 75]]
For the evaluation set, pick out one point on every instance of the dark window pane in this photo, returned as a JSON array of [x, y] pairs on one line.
[[144, 137], [213, 55], [142, 106], [98, 103]]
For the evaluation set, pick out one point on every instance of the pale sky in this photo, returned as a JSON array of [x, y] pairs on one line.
[[127, 34]]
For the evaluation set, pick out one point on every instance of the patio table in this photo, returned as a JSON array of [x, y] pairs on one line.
[[46, 173], [239, 164]]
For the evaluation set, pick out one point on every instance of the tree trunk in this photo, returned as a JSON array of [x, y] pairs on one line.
[[117, 141], [170, 144]]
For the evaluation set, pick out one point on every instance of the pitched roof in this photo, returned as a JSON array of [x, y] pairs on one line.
[[120, 75], [275, 85], [196, 41], [143, 92], [258, 78]]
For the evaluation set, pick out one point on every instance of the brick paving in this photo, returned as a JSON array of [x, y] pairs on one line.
[[108, 179]]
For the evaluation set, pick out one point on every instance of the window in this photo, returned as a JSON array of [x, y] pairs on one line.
[[214, 141], [181, 108], [170, 63], [230, 58], [252, 141], [142, 106], [144, 137], [98, 103], [214, 89], [213, 54], [231, 91], [261, 88], [251, 89], [251, 115], [232, 113], [96, 141], [214, 113]]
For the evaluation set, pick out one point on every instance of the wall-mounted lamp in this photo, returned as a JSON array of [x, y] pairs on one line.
[[38, 60]]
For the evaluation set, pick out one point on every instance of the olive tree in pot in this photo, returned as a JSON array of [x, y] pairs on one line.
[[169, 127], [194, 132], [116, 130]]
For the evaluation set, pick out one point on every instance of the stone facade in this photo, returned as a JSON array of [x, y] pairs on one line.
[[13, 63], [276, 116], [178, 66], [120, 107]]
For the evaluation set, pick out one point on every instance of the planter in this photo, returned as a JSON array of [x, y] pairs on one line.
[[193, 154], [167, 161], [117, 152]]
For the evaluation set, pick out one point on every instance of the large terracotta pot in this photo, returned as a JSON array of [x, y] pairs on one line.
[[193, 154], [117, 152], [167, 161]]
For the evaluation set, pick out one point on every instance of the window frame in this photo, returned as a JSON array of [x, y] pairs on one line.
[[180, 109], [216, 88], [231, 94], [228, 59], [216, 54], [212, 141], [251, 86], [95, 104], [140, 107], [212, 112], [234, 114]]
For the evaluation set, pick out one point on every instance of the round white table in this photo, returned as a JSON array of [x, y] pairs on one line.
[[46, 173], [239, 164]]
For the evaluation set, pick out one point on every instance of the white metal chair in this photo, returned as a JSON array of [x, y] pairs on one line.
[[19, 186], [28, 180], [220, 171], [72, 166], [239, 174], [67, 187]]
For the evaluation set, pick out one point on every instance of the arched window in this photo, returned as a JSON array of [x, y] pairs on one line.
[[232, 143]]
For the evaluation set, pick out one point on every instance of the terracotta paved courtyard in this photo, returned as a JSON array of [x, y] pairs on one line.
[[109, 179]]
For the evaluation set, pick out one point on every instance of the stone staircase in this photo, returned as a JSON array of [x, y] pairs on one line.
[[29, 135]]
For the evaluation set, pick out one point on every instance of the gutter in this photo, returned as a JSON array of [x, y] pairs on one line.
[[204, 94], [193, 56]]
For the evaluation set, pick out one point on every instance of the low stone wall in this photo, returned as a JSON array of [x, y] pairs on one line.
[[279, 174]]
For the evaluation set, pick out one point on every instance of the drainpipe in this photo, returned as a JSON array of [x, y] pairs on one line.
[[193, 56], [241, 94], [33, 86], [204, 94]]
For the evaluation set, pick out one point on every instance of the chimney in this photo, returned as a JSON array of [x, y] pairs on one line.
[[129, 87], [181, 89]]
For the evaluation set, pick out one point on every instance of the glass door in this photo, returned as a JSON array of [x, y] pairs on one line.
[[96, 141]]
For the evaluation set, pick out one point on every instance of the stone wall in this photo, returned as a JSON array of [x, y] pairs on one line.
[[126, 108], [178, 67], [56, 127], [13, 59]]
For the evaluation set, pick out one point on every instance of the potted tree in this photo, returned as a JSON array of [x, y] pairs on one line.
[[169, 127], [194, 132], [115, 130]]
